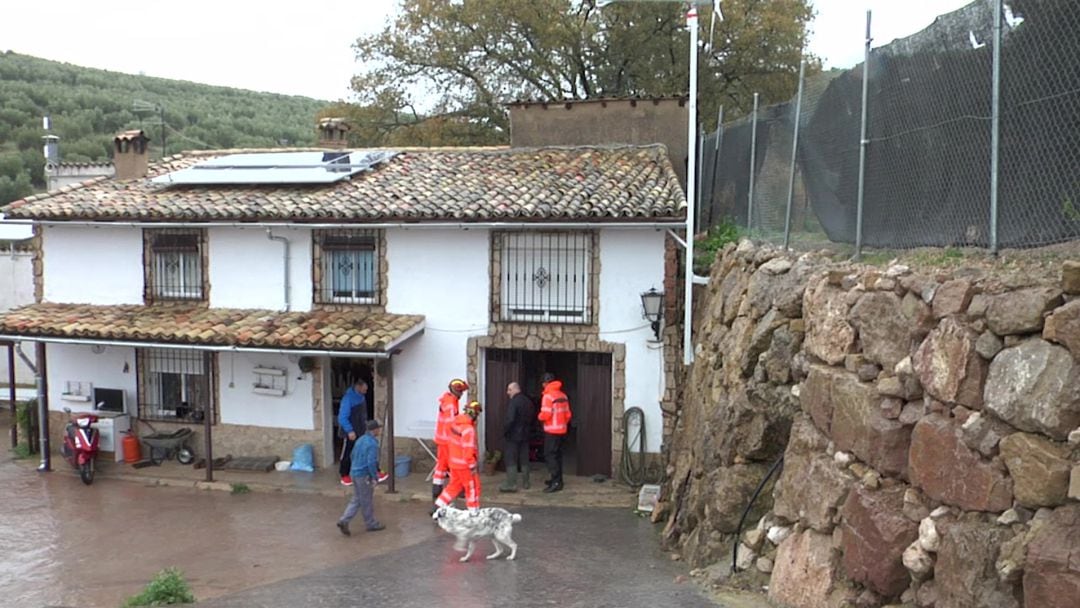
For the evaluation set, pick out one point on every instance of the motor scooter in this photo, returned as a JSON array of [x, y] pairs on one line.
[[80, 445]]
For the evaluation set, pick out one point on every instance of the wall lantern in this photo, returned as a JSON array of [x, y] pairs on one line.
[[652, 304]]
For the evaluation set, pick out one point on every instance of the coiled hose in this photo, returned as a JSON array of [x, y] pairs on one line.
[[632, 465]]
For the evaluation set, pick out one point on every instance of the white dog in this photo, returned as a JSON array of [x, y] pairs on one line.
[[494, 522]]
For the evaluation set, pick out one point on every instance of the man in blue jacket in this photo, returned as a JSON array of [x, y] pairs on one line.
[[352, 414], [365, 474]]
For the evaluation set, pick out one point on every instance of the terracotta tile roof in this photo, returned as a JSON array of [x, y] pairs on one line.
[[621, 183], [314, 330]]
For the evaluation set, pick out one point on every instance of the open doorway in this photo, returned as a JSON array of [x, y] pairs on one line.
[[343, 373], [586, 379]]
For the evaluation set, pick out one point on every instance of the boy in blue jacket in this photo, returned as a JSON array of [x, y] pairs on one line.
[[365, 474]]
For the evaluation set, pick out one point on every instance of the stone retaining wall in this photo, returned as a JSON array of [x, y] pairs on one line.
[[929, 423]]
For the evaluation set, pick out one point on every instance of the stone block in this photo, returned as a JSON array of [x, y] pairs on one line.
[[988, 345], [949, 367], [983, 432], [875, 534], [859, 427], [952, 298], [966, 574], [811, 487], [1052, 568], [1021, 311], [1070, 277], [816, 398], [884, 331], [805, 571], [948, 471], [1040, 470], [918, 314], [829, 336], [1035, 387], [1063, 327]]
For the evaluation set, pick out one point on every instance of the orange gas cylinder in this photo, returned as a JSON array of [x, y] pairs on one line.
[[132, 451]]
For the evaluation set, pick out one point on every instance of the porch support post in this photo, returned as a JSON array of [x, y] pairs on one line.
[[210, 363], [385, 368], [11, 392], [43, 407]]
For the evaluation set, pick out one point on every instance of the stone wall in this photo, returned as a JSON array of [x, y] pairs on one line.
[[929, 424]]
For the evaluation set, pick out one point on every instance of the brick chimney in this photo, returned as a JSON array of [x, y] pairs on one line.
[[333, 133], [130, 154]]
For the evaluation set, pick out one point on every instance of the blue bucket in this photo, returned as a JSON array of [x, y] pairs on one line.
[[402, 464]]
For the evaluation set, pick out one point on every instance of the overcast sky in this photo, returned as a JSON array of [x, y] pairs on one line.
[[304, 48]]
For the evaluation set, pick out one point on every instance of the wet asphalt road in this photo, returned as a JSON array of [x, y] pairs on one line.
[[66, 544], [566, 558]]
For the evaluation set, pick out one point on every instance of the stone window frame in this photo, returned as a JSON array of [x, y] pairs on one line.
[[149, 295], [495, 299], [376, 304]]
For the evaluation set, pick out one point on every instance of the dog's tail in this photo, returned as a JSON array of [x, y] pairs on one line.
[[515, 518]]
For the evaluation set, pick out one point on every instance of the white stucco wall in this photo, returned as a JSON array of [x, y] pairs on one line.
[[632, 261], [80, 363], [16, 289], [246, 268], [443, 275], [93, 265], [241, 405]]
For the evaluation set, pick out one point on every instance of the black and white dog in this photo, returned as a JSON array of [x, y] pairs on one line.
[[493, 521]]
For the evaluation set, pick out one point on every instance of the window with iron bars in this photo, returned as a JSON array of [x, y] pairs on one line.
[[349, 267], [546, 277], [175, 385], [176, 264]]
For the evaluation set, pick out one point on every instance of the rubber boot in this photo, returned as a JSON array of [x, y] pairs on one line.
[[436, 489], [525, 485], [510, 484]]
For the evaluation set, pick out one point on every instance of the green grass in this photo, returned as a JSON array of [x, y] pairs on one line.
[[167, 588], [240, 488], [717, 238]]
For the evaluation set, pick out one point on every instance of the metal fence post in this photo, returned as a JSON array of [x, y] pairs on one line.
[[700, 174], [794, 155], [862, 145], [716, 160], [753, 168], [995, 123]]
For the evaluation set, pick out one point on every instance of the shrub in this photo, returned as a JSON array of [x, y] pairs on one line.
[[168, 587], [716, 239], [240, 488]]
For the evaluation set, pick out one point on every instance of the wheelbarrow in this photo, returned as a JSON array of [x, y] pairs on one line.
[[165, 446]]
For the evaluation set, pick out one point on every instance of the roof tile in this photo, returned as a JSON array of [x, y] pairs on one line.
[[312, 330], [467, 184]]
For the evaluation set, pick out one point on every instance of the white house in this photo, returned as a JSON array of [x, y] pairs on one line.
[[241, 292]]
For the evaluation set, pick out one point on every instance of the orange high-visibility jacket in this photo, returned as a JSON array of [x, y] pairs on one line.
[[463, 449], [555, 409], [448, 408]]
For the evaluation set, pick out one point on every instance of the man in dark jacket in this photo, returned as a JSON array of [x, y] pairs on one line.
[[519, 417], [352, 417]]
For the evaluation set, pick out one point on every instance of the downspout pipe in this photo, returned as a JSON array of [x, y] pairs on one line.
[[39, 384], [285, 253]]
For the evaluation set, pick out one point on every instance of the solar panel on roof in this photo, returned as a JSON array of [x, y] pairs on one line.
[[277, 168]]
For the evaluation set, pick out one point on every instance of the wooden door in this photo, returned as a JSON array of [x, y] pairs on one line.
[[592, 414], [503, 367]]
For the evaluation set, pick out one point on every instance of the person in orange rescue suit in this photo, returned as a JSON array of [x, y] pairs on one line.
[[463, 461], [555, 414], [448, 410]]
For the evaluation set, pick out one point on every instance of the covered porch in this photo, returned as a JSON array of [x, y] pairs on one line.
[[239, 378]]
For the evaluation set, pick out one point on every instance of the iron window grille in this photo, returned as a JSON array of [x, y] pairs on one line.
[[175, 385], [350, 267], [546, 277], [176, 270]]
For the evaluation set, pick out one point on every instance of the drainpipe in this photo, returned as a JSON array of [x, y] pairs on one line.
[[285, 253], [43, 413]]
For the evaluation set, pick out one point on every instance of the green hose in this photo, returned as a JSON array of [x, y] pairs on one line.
[[630, 472]]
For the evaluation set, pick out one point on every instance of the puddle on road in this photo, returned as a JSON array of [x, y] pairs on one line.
[[65, 544]]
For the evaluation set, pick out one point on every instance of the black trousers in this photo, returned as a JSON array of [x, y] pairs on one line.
[[517, 455], [346, 457], [553, 456]]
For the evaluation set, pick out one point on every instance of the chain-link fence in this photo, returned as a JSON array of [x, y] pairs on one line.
[[961, 148]]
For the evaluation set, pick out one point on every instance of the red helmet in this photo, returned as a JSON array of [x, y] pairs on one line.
[[473, 408], [459, 385]]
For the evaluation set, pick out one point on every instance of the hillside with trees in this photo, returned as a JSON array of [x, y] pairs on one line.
[[88, 106]]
